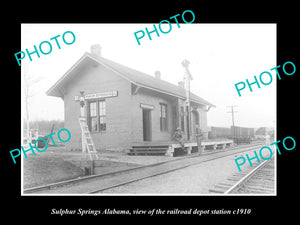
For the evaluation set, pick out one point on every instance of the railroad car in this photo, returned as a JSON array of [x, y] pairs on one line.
[[238, 134], [220, 132], [242, 134]]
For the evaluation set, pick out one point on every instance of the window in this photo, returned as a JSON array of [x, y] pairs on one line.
[[93, 116], [163, 117], [97, 116], [102, 115]]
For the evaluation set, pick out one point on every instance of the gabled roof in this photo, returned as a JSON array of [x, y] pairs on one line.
[[136, 77]]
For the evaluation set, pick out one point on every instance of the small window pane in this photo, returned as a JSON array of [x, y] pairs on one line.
[[102, 123], [94, 124], [93, 107], [102, 108]]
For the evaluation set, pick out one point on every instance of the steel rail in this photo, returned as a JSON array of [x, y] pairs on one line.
[[244, 179], [91, 177], [160, 173]]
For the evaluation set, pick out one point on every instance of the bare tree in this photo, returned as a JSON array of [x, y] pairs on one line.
[[29, 82]]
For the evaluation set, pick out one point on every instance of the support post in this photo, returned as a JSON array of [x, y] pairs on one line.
[[170, 151], [88, 162], [189, 150], [82, 114], [199, 137], [187, 78]]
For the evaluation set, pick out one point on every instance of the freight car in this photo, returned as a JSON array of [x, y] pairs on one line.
[[219, 132], [242, 134], [238, 134]]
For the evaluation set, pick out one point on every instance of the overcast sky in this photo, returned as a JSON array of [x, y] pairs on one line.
[[220, 55]]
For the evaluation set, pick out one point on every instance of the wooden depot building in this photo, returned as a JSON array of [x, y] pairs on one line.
[[124, 106]]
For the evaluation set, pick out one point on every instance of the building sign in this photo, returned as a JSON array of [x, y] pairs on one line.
[[145, 106], [102, 95], [106, 94]]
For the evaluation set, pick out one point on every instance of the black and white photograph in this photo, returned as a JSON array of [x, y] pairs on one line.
[[174, 112], [178, 114]]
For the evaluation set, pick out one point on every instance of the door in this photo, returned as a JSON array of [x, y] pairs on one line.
[[147, 129]]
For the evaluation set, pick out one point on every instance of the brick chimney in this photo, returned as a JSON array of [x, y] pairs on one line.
[[96, 50], [157, 75]]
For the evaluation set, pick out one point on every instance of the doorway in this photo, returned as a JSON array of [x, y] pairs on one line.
[[147, 129]]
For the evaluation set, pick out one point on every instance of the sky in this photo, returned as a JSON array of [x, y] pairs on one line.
[[220, 56]]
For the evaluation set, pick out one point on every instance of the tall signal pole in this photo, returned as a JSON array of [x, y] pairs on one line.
[[232, 114], [187, 78]]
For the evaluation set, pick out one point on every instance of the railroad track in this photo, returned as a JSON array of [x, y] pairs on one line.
[[259, 179], [97, 183]]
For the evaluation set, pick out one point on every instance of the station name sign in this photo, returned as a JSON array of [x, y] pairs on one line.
[[106, 94], [102, 95]]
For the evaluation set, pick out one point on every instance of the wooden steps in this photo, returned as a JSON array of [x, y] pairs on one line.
[[149, 150]]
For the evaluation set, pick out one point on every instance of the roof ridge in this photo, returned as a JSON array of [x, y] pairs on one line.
[[153, 79], [138, 71], [134, 76]]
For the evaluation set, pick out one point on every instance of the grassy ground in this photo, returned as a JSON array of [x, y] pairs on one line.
[[44, 169], [56, 164]]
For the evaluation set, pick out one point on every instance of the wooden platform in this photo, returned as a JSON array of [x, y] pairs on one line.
[[169, 148]]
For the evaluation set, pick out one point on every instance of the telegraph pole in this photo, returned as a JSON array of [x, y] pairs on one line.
[[232, 114]]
